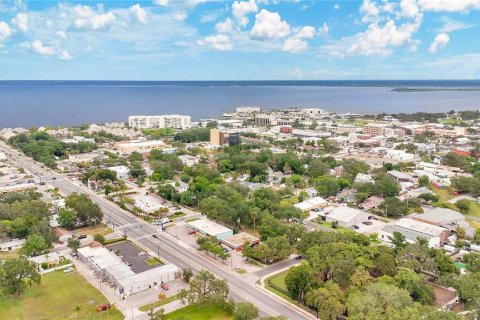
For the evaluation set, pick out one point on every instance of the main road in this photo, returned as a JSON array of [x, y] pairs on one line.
[[169, 248]]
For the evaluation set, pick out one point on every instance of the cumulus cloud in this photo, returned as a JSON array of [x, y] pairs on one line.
[[224, 26], [21, 22], [219, 42], [269, 26], [5, 31], [336, 6], [241, 9], [179, 16], [91, 19], [370, 11], [324, 29], [408, 8], [379, 40], [43, 50], [449, 5], [296, 43], [62, 34], [139, 13], [64, 55], [163, 3], [439, 42]]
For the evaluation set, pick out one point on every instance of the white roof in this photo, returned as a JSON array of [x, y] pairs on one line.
[[142, 143], [106, 260], [12, 243], [120, 271], [51, 256], [399, 174], [310, 203], [345, 214], [154, 273], [441, 215], [209, 227], [420, 227], [88, 252]]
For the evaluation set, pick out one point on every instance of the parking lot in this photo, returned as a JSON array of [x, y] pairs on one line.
[[132, 255]]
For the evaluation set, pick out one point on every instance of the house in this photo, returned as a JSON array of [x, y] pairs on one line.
[[51, 258], [371, 202], [414, 229], [400, 176], [121, 171], [363, 178], [310, 204], [237, 241], [210, 228], [347, 217], [11, 245]]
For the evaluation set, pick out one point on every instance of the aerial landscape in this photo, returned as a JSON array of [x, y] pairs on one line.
[[240, 160]]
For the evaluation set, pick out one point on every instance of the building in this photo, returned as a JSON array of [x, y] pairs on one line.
[[3, 157], [121, 171], [210, 228], [414, 229], [234, 138], [286, 129], [85, 157], [140, 146], [400, 176], [11, 245], [446, 218], [347, 217], [374, 129], [174, 121], [310, 204], [217, 137], [399, 155], [313, 112], [271, 120], [237, 241]]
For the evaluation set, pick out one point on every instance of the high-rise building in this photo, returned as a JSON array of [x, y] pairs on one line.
[[174, 121]]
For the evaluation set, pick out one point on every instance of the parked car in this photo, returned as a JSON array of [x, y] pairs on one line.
[[355, 227], [68, 270], [300, 257], [103, 307], [155, 236], [367, 223], [82, 236]]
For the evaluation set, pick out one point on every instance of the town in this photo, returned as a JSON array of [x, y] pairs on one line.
[[295, 213]]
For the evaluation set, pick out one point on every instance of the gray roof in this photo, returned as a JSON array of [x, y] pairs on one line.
[[441, 215], [408, 233]]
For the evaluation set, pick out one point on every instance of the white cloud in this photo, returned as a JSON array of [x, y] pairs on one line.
[[64, 55], [39, 48], [219, 42], [179, 16], [269, 26], [163, 3], [439, 42], [324, 29], [88, 49], [370, 10], [62, 34], [139, 13], [241, 9], [379, 40], [449, 5], [336, 6], [389, 7], [297, 73], [450, 25], [296, 43], [90, 19], [225, 26], [21, 21], [409, 8], [5, 31]]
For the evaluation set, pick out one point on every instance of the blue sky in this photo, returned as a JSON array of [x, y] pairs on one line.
[[239, 40]]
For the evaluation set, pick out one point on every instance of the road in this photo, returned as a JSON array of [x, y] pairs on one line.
[[276, 267], [168, 247]]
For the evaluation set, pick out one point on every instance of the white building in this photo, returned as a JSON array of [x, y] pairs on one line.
[[347, 217], [121, 171], [412, 230], [3, 157], [310, 204], [11, 245], [140, 146], [210, 228], [313, 112], [399, 155], [174, 121]]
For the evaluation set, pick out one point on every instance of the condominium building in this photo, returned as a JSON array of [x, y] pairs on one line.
[[374, 129], [174, 121]]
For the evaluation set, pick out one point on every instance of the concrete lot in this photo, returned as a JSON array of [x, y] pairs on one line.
[[133, 255]]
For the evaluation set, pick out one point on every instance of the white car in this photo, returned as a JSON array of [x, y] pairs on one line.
[[68, 270]]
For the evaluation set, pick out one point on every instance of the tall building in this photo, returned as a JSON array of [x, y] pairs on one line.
[[374, 129], [174, 121]]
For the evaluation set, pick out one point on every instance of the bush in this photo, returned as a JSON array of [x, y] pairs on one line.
[[99, 238], [463, 205], [44, 265]]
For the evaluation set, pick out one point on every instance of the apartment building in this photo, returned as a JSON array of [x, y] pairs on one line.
[[174, 121], [374, 129]]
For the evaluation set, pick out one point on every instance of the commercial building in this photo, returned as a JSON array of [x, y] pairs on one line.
[[140, 146], [174, 121], [414, 229], [347, 217], [237, 241], [267, 120], [313, 112], [374, 129], [210, 228], [310, 204]]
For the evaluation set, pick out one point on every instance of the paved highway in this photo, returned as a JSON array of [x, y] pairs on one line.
[[169, 248]]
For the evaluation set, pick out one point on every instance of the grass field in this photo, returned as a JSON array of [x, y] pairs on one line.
[[278, 280], [473, 223], [159, 303], [56, 298], [101, 229], [474, 209], [195, 312], [443, 194]]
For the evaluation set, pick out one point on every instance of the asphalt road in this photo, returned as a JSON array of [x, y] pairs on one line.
[[167, 246]]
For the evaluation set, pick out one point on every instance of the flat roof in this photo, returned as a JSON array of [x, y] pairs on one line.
[[441, 215], [345, 213], [209, 227], [310, 203], [418, 228], [141, 143], [239, 239], [399, 174]]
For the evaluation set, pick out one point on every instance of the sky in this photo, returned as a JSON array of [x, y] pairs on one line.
[[239, 40]]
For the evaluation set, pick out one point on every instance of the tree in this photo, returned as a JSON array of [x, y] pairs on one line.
[[463, 205], [423, 181], [245, 311], [472, 260], [86, 211], [187, 274], [412, 282], [361, 278], [327, 186], [299, 281], [205, 289], [393, 207], [73, 244], [34, 246], [398, 240], [385, 186], [16, 274], [99, 238], [328, 301], [156, 315]]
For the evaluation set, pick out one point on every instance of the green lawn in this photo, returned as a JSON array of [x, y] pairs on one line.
[[474, 209], [443, 194], [196, 312], [56, 298], [278, 280], [159, 303], [153, 261]]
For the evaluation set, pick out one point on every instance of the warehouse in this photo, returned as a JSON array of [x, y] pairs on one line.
[[210, 228]]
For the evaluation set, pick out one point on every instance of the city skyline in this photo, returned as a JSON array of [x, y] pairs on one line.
[[241, 40]]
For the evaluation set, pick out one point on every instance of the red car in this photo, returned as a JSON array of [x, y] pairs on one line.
[[103, 307]]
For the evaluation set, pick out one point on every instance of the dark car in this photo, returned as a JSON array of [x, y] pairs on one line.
[[367, 223], [155, 236], [82, 236], [42, 183], [355, 227], [300, 257]]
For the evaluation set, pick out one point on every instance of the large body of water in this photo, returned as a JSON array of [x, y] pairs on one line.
[[35, 103]]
